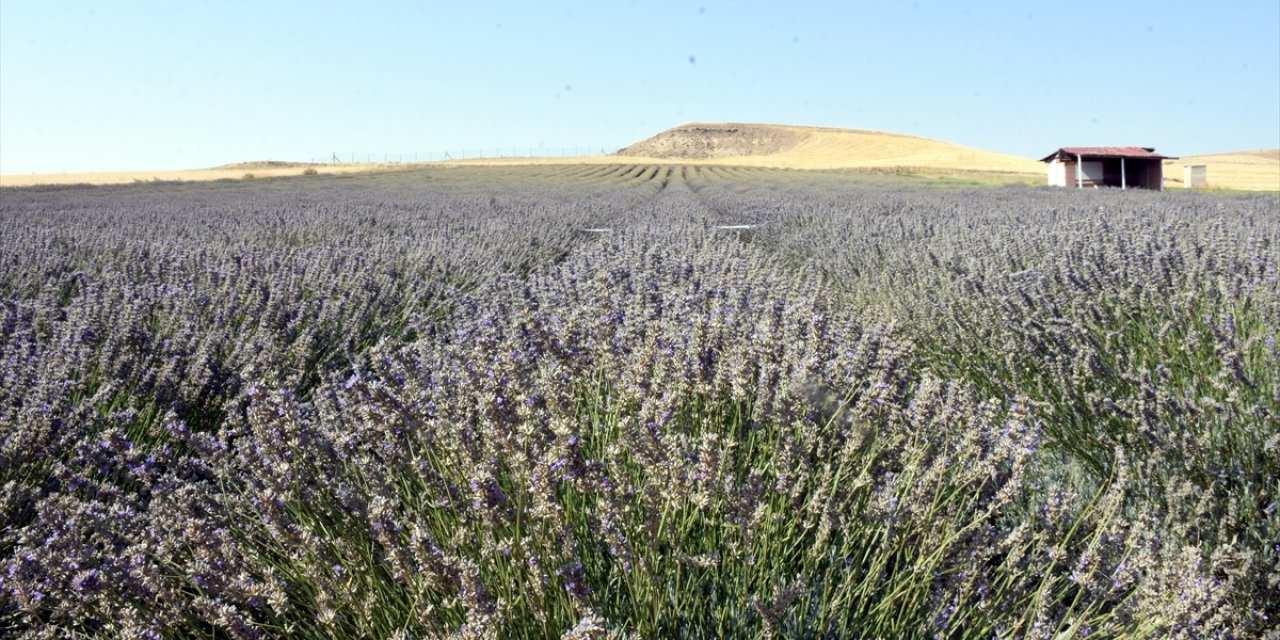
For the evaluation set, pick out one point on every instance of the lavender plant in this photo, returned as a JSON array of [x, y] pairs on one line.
[[428, 404]]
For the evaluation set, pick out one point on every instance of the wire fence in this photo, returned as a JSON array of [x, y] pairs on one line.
[[472, 153]]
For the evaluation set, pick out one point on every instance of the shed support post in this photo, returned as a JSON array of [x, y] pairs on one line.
[[1122, 181], [1079, 172]]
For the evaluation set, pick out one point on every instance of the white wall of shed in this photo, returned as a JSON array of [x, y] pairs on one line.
[[1057, 173]]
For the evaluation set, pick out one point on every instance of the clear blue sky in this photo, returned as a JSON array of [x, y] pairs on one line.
[[188, 83]]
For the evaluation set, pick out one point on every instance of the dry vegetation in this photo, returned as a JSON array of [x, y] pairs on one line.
[[225, 172], [789, 147], [1242, 170]]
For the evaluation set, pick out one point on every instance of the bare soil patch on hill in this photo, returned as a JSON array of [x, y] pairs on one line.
[[702, 141]]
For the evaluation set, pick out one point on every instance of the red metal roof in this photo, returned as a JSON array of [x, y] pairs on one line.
[[1106, 152]]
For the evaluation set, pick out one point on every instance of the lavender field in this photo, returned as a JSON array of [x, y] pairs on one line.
[[564, 401]]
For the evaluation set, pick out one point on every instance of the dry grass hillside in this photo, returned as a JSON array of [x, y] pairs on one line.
[[1244, 170], [819, 148]]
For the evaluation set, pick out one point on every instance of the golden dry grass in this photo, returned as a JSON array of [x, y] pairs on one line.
[[858, 149], [1243, 170], [231, 172]]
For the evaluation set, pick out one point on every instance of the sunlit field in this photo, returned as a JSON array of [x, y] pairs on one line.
[[637, 401]]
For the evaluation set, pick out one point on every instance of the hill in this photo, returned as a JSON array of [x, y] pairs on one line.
[[1245, 170], [795, 147]]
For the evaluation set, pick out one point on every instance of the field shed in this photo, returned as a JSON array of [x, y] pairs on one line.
[[1124, 167]]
